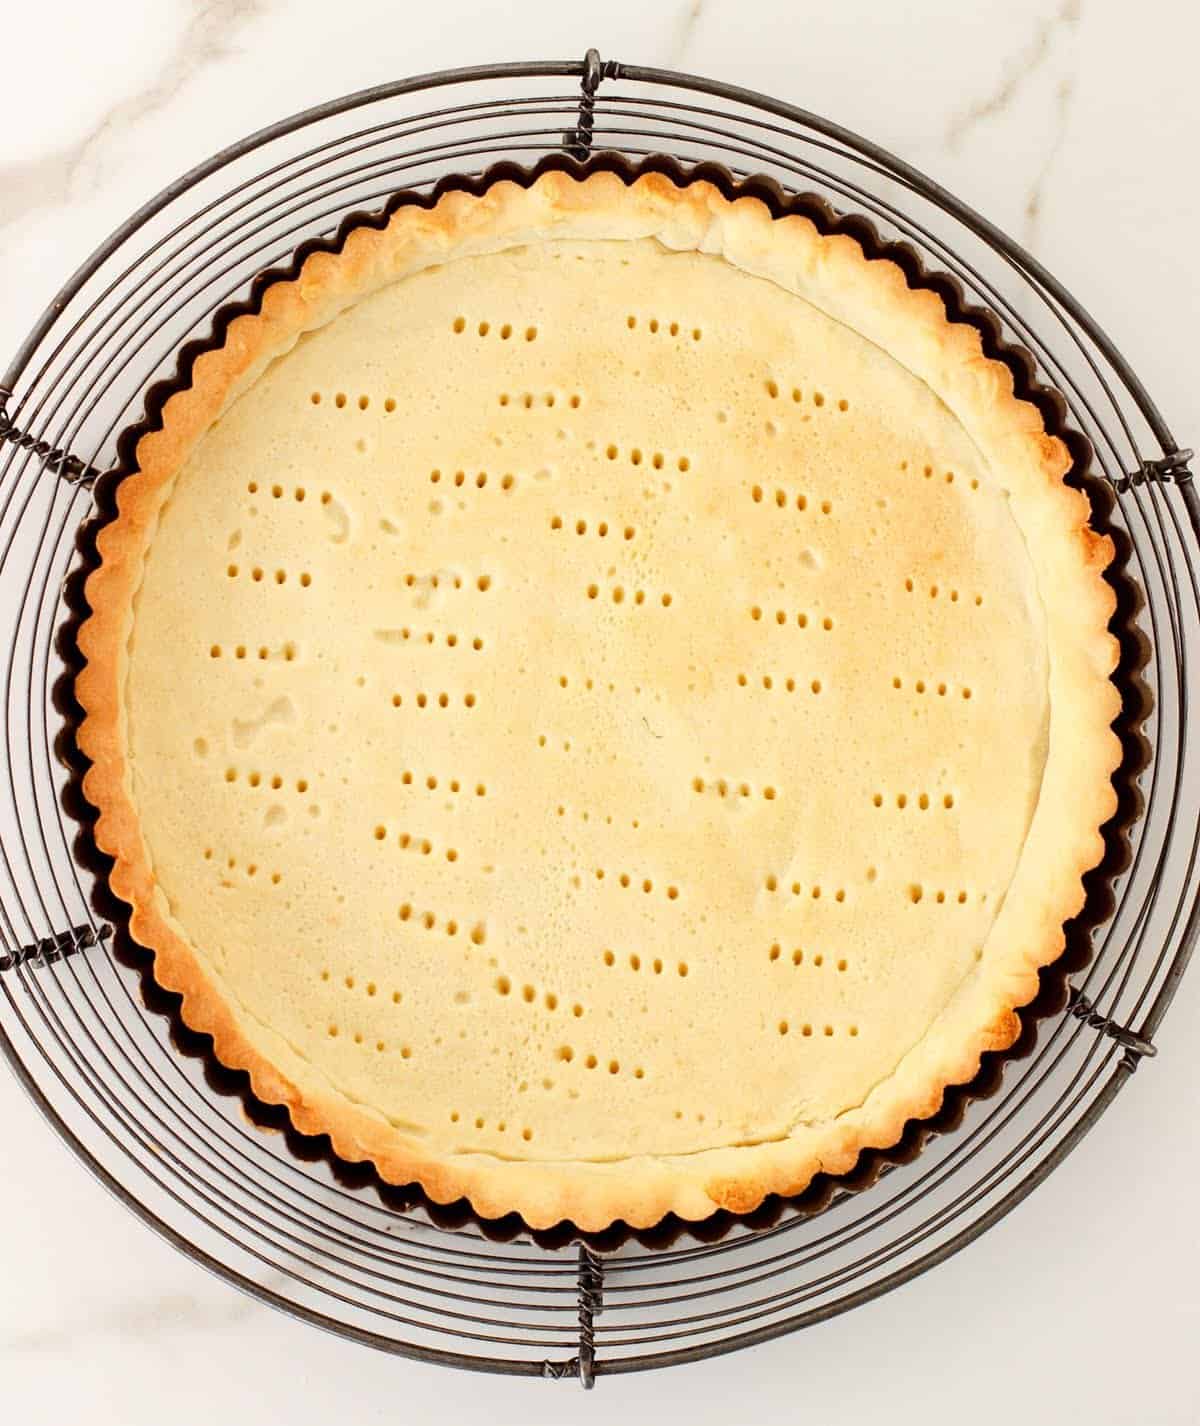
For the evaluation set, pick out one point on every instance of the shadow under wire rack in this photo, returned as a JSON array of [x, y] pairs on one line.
[[298, 1235]]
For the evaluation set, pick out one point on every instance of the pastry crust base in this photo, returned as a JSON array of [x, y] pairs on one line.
[[872, 297]]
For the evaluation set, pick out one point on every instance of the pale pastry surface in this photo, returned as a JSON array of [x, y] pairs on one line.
[[590, 724]]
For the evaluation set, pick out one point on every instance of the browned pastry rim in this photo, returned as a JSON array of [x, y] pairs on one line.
[[872, 296]]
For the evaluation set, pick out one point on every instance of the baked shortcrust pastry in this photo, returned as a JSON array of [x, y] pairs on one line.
[[599, 699]]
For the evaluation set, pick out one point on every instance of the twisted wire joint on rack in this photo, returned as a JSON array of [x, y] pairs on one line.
[[1136, 1046], [55, 948], [1169, 469], [62, 462], [578, 141], [591, 1302]]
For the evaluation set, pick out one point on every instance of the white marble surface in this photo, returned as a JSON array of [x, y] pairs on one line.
[[1072, 123]]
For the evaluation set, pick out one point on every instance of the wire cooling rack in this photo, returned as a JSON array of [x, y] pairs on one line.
[[289, 1226]]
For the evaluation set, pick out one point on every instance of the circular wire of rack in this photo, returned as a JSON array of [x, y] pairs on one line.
[[317, 1244]]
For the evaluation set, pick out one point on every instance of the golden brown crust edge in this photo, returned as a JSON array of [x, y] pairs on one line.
[[870, 295]]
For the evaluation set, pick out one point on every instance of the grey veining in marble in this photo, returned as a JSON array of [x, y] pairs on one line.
[[687, 24], [1054, 34], [148, 1319], [56, 178]]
